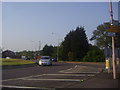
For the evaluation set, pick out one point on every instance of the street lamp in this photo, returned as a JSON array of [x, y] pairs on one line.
[[35, 45], [57, 45], [39, 47]]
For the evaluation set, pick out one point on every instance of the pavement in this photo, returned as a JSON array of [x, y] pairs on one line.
[[103, 80]]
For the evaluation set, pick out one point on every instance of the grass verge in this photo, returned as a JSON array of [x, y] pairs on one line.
[[7, 62]]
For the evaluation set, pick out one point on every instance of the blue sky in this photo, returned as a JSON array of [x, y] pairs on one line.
[[24, 24]]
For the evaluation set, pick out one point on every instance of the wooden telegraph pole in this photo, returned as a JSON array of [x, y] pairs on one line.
[[113, 42]]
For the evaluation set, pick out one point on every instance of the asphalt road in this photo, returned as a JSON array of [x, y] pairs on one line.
[[59, 75]]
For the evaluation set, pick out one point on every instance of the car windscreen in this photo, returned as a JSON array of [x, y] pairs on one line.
[[45, 57]]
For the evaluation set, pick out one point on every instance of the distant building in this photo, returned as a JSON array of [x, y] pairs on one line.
[[23, 57], [8, 53]]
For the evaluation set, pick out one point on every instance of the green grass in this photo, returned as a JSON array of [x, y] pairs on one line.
[[4, 61]]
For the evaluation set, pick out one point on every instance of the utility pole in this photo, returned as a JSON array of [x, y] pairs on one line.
[[113, 42], [57, 46], [39, 46]]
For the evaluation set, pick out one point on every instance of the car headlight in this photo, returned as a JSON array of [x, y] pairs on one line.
[[40, 62]]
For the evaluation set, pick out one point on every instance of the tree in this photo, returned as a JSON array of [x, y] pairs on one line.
[[30, 54], [101, 38], [55, 51], [94, 55], [61, 53], [47, 50], [71, 56], [75, 45]]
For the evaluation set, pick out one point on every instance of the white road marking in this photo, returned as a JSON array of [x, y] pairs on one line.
[[11, 79], [71, 74], [63, 71], [68, 69], [76, 66], [89, 72], [79, 70], [83, 72], [48, 75], [72, 80], [25, 87], [22, 78]]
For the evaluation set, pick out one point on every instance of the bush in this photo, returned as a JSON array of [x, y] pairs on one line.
[[94, 55]]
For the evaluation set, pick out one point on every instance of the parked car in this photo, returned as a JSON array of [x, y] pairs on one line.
[[45, 60]]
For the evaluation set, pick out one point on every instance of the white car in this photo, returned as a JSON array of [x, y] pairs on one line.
[[45, 60]]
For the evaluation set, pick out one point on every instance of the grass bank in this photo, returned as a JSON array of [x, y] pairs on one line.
[[7, 62]]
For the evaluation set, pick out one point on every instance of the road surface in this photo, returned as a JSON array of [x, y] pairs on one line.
[[59, 75]]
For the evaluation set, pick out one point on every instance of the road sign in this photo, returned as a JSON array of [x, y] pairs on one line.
[[108, 52], [114, 28], [112, 34]]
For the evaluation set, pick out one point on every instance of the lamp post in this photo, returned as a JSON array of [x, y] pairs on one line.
[[35, 45], [57, 45], [39, 47]]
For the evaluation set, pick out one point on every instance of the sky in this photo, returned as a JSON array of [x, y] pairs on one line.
[[24, 24]]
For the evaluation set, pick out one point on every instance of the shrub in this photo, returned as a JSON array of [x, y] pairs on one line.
[[94, 55]]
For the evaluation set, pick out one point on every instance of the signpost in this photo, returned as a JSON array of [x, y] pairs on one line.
[[111, 34], [114, 28]]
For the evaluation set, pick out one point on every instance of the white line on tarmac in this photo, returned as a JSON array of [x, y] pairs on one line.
[[25, 87], [21, 78], [72, 80], [83, 74], [64, 71], [76, 66], [89, 72], [71, 74], [69, 69], [11, 79]]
